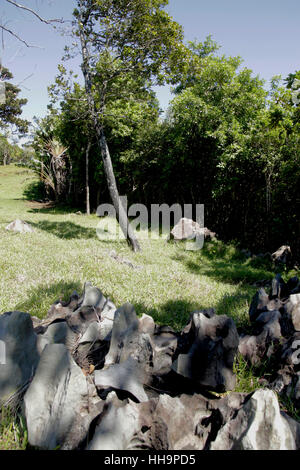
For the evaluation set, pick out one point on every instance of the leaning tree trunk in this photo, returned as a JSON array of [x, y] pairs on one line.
[[102, 144]]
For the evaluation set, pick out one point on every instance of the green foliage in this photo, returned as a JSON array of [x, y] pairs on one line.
[[35, 191], [13, 432], [11, 110], [136, 37], [12, 153], [225, 142]]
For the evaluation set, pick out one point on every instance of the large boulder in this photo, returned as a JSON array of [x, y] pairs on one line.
[[210, 343], [60, 403], [92, 307], [283, 255], [267, 334], [292, 308], [185, 422], [19, 226], [21, 356], [127, 339], [287, 380], [118, 424], [187, 229], [258, 304], [258, 425]]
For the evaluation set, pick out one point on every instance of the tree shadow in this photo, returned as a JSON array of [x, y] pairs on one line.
[[40, 298], [50, 208], [236, 306], [66, 230], [229, 272], [224, 264]]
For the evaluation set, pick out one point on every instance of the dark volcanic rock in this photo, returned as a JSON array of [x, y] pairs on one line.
[[164, 423], [128, 376], [57, 333], [283, 255], [267, 333], [279, 288], [212, 343], [125, 335], [287, 379], [293, 285], [259, 304], [60, 403], [21, 354], [258, 425]]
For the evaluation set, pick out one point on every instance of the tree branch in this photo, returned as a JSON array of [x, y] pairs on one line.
[[23, 7], [18, 37]]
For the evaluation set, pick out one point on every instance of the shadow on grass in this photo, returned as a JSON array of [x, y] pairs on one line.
[[173, 313], [236, 306], [50, 208], [225, 263], [40, 298], [176, 313], [229, 272], [66, 230]]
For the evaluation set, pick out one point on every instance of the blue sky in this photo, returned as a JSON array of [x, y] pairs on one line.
[[265, 33]]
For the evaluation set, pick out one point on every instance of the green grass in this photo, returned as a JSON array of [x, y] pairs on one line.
[[13, 433], [64, 252]]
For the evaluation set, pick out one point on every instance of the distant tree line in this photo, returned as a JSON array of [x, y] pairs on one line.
[[226, 140]]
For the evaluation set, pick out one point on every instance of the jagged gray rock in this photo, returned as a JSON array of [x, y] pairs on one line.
[[268, 331], [58, 332], [212, 343], [92, 297], [92, 307], [287, 380], [258, 425], [125, 335], [186, 422], [164, 344], [60, 403], [117, 426], [258, 304], [21, 354], [128, 376], [283, 255]]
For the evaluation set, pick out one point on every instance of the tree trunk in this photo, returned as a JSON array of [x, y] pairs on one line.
[[87, 153], [114, 194], [101, 140], [98, 197]]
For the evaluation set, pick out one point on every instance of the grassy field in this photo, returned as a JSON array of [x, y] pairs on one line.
[[165, 280]]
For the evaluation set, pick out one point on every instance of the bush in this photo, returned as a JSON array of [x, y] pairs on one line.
[[35, 191]]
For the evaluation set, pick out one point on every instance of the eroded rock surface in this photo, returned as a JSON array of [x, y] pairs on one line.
[[211, 345], [60, 403], [258, 425], [20, 352]]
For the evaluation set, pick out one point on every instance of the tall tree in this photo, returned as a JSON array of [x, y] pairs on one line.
[[11, 109], [127, 37]]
